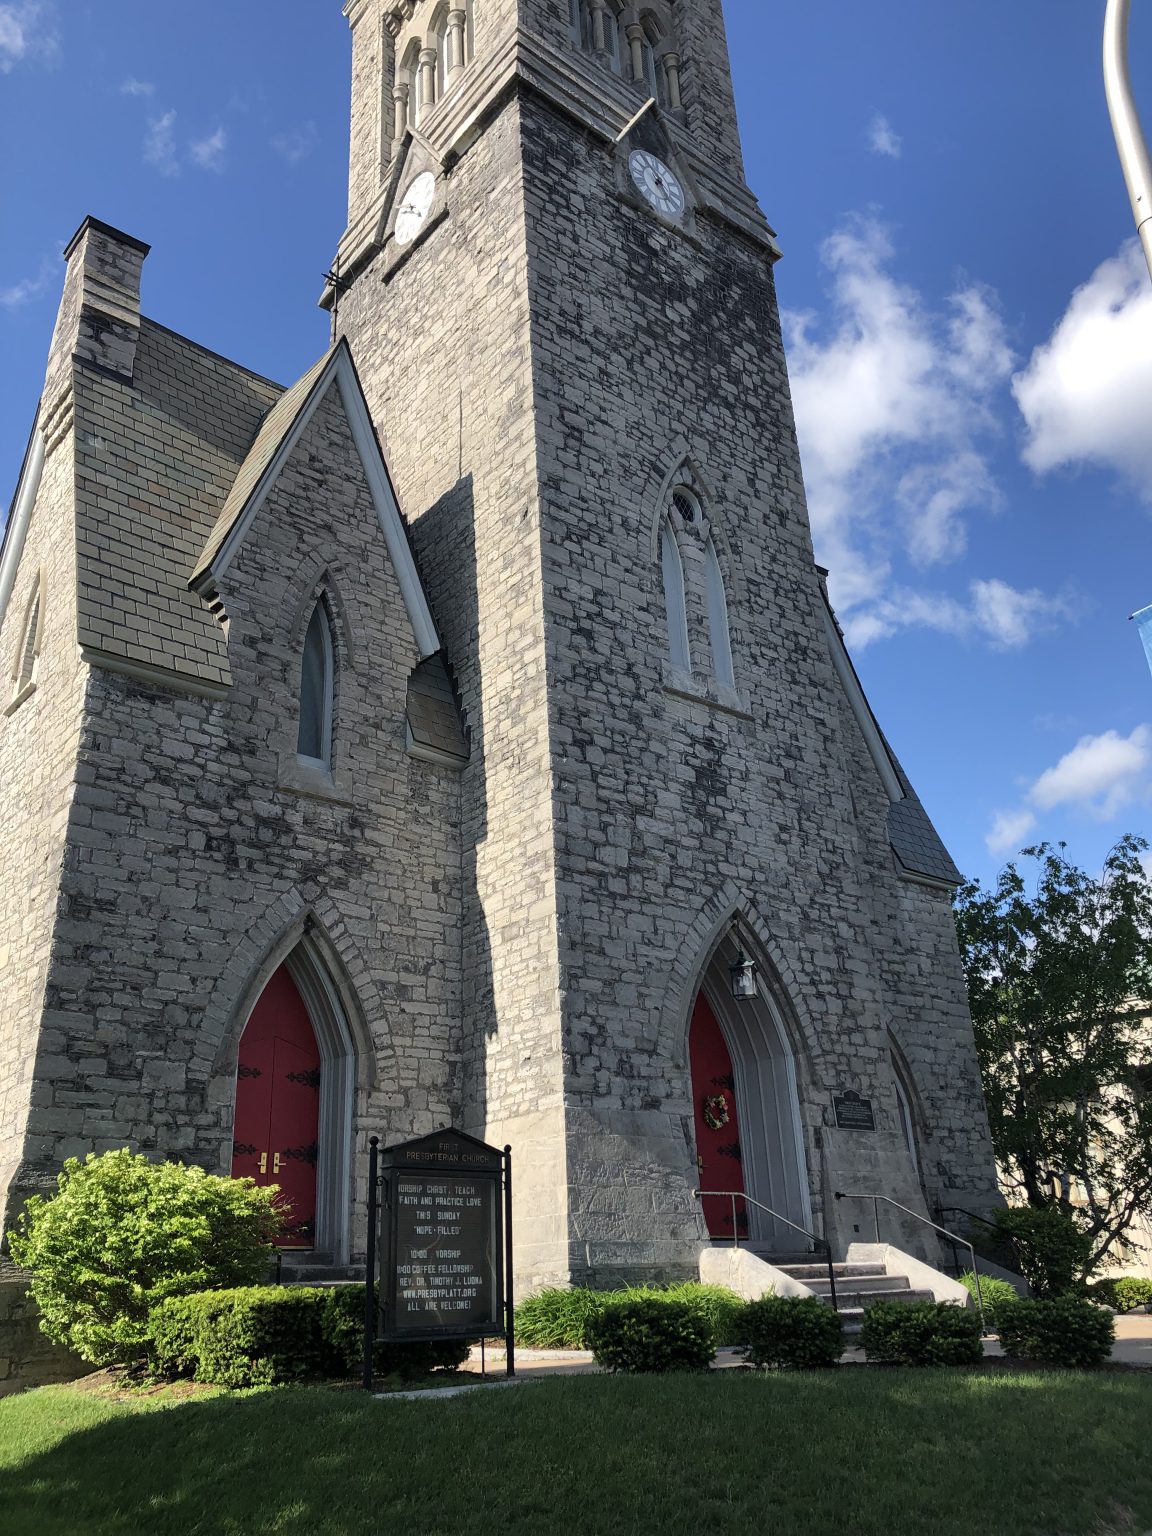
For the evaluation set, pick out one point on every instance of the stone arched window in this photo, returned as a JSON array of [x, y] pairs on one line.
[[716, 604], [27, 660], [699, 641], [433, 46], [653, 54], [317, 689], [675, 599], [597, 28]]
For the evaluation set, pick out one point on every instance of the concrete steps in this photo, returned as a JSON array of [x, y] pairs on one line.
[[858, 1286], [311, 1267]]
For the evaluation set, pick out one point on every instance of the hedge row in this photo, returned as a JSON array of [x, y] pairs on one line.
[[557, 1318], [267, 1335]]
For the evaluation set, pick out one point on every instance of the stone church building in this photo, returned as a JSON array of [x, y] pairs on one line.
[[463, 735]]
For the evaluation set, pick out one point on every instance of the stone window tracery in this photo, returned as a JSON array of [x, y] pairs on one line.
[[675, 599]]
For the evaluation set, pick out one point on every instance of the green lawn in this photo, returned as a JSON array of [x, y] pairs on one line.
[[861, 1453]]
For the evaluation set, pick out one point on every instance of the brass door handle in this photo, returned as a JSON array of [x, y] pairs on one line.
[[263, 1162], [276, 1163]]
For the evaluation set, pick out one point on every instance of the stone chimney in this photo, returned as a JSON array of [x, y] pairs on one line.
[[99, 319]]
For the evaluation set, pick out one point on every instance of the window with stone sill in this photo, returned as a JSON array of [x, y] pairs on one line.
[[317, 683]]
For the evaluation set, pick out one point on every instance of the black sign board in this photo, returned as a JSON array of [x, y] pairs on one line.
[[853, 1113], [444, 1241]]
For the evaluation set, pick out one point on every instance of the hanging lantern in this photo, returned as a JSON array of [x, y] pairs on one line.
[[743, 974]]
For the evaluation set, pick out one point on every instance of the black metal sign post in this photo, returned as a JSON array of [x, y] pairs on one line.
[[439, 1244]]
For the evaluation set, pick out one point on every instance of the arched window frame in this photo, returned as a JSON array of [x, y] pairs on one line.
[[318, 730], [26, 663], [679, 647], [716, 604]]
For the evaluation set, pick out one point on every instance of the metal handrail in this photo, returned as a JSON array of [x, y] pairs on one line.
[[734, 1195], [916, 1216]]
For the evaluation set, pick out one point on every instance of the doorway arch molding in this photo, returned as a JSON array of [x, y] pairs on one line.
[[310, 940], [695, 953], [770, 1043], [290, 922]]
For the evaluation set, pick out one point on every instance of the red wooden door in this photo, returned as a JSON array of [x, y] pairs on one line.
[[278, 1105], [717, 1128]]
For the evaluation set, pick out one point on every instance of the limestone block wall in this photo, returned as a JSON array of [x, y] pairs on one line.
[[196, 853], [27, 1357], [441, 342], [654, 348], [39, 737]]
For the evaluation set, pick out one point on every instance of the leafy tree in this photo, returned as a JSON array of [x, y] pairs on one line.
[[1060, 986], [123, 1234]]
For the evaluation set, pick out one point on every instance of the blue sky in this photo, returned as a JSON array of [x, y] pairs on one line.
[[970, 328]]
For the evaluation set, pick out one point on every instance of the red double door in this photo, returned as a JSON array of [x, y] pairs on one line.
[[278, 1105], [718, 1149]]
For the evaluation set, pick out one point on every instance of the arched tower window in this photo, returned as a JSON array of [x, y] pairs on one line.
[[595, 26], [717, 605], [317, 677], [675, 599]]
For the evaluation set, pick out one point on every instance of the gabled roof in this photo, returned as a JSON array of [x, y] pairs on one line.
[[916, 845], [279, 433]]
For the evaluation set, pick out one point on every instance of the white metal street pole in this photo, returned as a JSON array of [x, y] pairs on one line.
[[1130, 140]]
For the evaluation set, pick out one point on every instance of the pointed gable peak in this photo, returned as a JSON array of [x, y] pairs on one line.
[[279, 433]]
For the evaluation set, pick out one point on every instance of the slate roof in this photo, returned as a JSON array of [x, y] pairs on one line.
[[156, 459], [275, 427]]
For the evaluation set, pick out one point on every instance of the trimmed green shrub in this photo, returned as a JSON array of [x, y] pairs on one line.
[[797, 1333], [922, 1333], [1123, 1293], [254, 1337], [267, 1335], [342, 1324], [122, 1235], [558, 1318], [992, 1292], [1065, 1331], [1053, 1253], [649, 1335]]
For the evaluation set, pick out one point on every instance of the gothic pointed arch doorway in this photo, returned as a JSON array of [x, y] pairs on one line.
[[746, 1105], [295, 1081]]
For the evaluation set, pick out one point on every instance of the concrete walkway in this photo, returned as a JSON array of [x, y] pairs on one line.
[[1133, 1347]]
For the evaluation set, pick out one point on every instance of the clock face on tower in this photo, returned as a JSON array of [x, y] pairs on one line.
[[414, 208], [656, 183]]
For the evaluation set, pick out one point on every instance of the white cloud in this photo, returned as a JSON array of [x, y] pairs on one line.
[[1004, 616], [1100, 777], [133, 87], [883, 138], [1101, 774], [1009, 829], [25, 33], [208, 153], [894, 407], [1086, 394], [160, 145], [297, 144], [29, 289]]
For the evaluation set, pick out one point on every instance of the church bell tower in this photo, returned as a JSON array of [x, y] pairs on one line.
[[558, 291]]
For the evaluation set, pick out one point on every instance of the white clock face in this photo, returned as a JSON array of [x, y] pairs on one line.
[[414, 208], [655, 182]]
